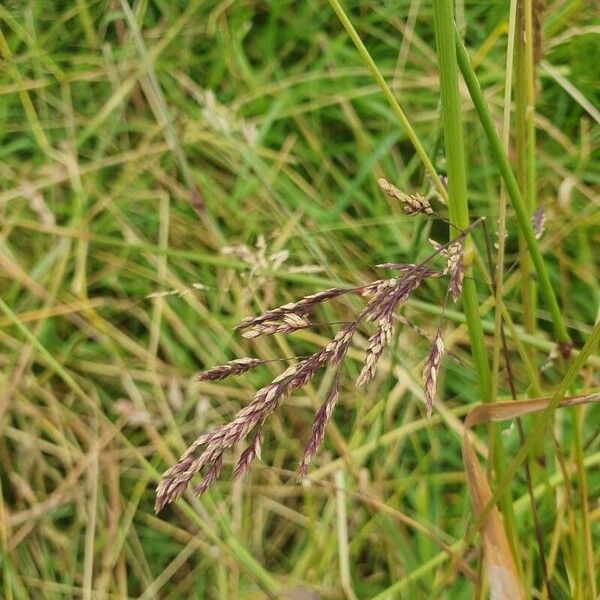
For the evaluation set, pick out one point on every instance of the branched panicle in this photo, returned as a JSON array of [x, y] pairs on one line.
[[322, 417], [431, 370], [384, 297], [265, 401], [205, 456], [233, 367]]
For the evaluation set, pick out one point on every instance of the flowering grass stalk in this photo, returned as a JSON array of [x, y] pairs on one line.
[[205, 456]]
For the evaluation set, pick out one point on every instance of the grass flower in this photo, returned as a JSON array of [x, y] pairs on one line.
[[383, 298]]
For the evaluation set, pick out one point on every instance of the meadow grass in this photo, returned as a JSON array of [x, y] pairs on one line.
[[170, 168]]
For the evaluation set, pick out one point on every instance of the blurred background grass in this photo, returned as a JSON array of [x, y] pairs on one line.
[[237, 145]]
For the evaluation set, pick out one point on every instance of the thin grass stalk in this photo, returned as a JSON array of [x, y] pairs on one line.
[[87, 24], [526, 174], [530, 148], [502, 313], [158, 104], [514, 194], [574, 556], [459, 217], [528, 467], [389, 96], [524, 140], [590, 568], [525, 151], [499, 272], [6, 560], [457, 182]]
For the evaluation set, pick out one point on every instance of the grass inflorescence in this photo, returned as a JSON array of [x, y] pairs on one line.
[[385, 297]]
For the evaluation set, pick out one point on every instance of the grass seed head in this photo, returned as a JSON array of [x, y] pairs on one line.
[[431, 370], [377, 343], [413, 204], [248, 455], [233, 367], [538, 222], [289, 322], [322, 417], [384, 296], [456, 267]]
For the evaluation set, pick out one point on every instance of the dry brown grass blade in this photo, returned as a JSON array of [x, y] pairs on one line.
[[502, 572], [503, 411], [504, 580]]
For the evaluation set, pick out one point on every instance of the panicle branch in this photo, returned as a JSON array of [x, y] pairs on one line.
[[431, 370], [233, 367], [288, 323], [322, 417]]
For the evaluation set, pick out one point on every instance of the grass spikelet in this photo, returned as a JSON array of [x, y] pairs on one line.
[[431, 370], [175, 481], [233, 367], [413, 204], [211, 475], [322, 417], [248, 455], [538, 221], [455, 266], [289, 323], [377, 342]]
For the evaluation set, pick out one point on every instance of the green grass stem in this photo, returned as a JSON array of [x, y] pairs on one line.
[[459, 217], [389, 96], [512, 189]]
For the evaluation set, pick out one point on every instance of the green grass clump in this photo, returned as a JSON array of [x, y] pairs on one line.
[[147, 149]]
